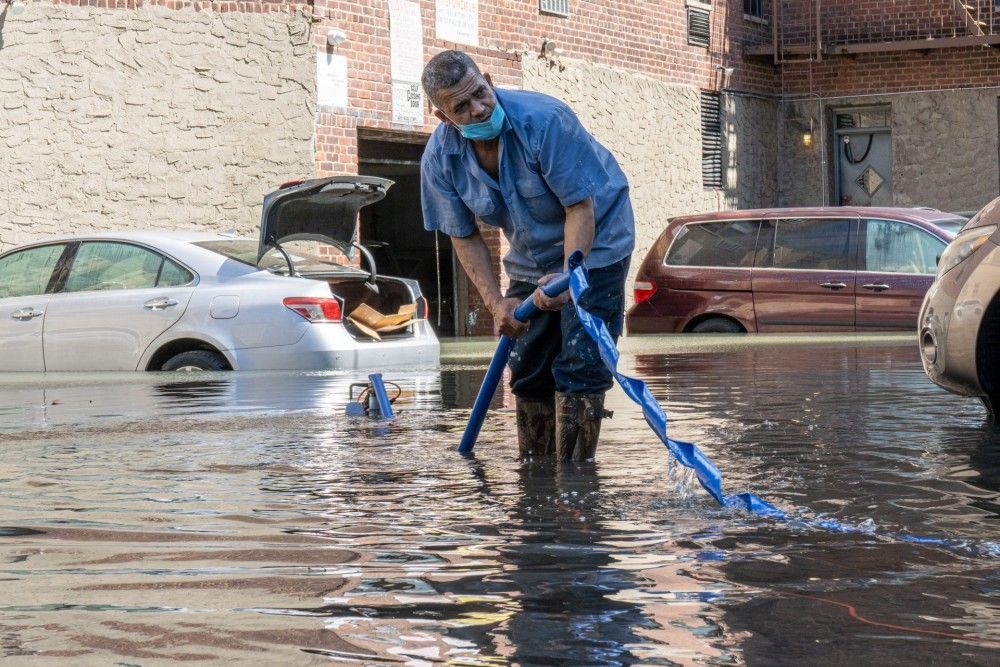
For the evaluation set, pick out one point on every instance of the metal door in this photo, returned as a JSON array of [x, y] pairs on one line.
[[804, 275], [863, 144], [117, 298]]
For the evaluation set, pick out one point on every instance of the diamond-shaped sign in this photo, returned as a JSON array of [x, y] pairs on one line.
[[870, 181]]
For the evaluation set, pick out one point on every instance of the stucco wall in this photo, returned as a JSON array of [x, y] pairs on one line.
[[945, 151], [654, 129], [149, 117]]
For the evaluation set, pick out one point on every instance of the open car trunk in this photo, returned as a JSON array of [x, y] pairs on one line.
[[393, 293]]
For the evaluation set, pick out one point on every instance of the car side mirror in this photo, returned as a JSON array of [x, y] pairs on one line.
[[937, 260]]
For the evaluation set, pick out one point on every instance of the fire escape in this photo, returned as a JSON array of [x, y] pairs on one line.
[[808, 30]]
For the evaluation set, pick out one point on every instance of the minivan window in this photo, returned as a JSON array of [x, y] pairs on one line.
[[809, 243], [896, 247], [722, 244], [27, 273]]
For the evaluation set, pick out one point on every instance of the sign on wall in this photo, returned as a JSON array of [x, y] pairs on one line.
[[331, 80], [406, 48], [458, 21]]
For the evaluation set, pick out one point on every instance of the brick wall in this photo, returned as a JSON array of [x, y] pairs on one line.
[[901, 71], [853, 21]]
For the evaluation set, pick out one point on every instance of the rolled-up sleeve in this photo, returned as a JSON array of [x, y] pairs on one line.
[[443, 209], [569, 159]]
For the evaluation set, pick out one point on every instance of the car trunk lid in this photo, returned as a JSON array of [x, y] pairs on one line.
[[321, 209]]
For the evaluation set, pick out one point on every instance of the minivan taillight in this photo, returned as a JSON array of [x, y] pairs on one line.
[[315, 309], [423, 309], [642, 290]]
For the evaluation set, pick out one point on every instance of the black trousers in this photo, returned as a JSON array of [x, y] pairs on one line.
[[556, 353]]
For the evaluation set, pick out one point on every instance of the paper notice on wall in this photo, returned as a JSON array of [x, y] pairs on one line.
[[331, 80], [406, 49], [458, 21], [407, 103]]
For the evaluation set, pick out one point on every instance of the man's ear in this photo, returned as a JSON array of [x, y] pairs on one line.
[[489, 79], [441, 117]]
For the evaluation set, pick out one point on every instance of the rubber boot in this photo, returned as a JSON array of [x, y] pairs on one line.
[[536, 421], [578, 425]]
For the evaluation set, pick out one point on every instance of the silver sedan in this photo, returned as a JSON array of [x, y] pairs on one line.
[[197, 301]]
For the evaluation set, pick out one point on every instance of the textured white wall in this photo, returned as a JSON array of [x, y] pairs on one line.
[[149, 118], [945, 151]]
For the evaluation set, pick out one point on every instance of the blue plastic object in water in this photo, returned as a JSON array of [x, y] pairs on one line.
[[524, 312], [382, 403]]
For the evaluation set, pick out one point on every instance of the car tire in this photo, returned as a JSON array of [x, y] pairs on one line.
[[196, 360], [717, 325]]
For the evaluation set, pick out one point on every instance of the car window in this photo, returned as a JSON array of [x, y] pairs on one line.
[[101, 265], [726, 244], [953, 225], [811, 243], [173, 274], [27, 272], [896, 247], [307, 256]]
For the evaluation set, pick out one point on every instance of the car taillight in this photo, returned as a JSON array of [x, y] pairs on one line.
[[642, 290], [423, 309], [289, 184], [315, 309]]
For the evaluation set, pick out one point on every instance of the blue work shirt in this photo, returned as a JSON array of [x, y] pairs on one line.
[[547, 161]]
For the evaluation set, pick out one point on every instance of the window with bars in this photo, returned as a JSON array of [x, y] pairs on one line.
[[554, 7], [711, 140], [755, 8], [699, 26]]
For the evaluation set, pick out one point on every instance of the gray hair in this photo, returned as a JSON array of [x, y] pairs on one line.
[[445, 70]]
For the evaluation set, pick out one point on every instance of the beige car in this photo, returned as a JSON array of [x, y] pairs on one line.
[[959, 322]]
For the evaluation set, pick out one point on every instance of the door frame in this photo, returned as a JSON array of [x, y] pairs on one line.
[[838, 135]]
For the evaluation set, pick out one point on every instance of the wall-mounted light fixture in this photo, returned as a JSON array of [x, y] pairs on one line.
[[726, 73], [807, 135], [549, 48], [15, 7], [803, 129], [335, 37]]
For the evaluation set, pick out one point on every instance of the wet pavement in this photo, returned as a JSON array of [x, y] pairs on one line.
[[147, 518]]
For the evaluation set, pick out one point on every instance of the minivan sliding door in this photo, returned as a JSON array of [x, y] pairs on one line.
[[804, 275]]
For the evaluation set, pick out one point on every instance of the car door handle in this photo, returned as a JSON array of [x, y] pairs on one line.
[[876, 287], [833, 286], [159, 304], [26, 314]]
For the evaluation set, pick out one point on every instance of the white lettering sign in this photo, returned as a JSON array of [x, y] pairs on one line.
[[331, 80], [458, 21], [406, 53]]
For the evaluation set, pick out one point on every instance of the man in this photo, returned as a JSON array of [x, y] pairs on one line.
[[521, 161]]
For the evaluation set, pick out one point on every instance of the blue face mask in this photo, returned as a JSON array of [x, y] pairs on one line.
[[488, 129]]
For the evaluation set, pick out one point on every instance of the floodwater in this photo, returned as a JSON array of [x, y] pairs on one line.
[[146, 519]]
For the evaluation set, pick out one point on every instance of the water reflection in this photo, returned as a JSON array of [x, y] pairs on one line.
[[563, 576], [243, 517]]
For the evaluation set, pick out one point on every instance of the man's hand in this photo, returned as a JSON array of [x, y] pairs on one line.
[[544, 302], [503, 316]]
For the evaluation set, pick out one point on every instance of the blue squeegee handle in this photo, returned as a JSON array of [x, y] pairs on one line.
[[524, 312]]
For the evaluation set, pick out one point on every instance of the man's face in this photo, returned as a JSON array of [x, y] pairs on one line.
[[469, 101]]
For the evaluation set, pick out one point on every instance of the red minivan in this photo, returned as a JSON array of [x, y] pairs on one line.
[[793, 269]]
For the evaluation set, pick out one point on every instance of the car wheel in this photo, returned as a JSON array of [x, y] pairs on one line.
[[717, 325], [196, 360]]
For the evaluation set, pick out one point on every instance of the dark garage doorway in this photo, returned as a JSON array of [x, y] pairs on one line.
[[393, 229]]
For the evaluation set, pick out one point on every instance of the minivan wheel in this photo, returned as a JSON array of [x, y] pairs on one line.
[[717, 325], [196, 360]]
